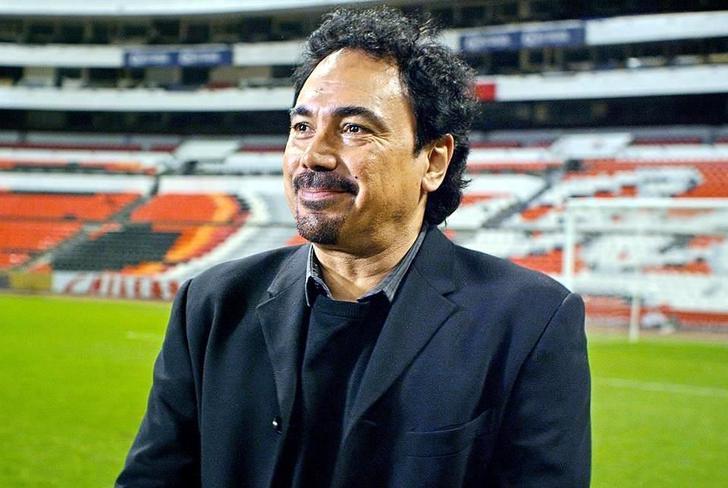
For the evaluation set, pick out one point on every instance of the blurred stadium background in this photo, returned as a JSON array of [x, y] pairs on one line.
[[141, 142]]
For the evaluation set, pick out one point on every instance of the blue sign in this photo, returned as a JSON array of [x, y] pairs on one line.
[[479, 43], [518, 39], [188, 56], [569, 36]]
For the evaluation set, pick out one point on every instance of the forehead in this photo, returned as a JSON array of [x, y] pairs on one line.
[[351, 77]]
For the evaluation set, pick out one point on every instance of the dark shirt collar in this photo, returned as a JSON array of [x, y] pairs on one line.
[[388, 286]]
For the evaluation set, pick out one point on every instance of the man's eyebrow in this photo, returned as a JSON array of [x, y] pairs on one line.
[[357, 111], [301, 110], [345, 111]]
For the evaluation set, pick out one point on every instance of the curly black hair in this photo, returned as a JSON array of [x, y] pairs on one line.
[[439, 84]]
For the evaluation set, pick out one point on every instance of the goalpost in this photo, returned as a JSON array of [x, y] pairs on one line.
[[659, 262]]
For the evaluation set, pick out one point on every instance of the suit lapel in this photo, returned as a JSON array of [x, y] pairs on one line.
[[281, 318], [418, 311]]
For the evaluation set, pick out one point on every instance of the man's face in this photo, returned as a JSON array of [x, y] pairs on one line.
[[351, 177]]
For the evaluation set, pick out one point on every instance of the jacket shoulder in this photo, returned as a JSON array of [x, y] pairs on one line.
[[513, 281], [245, 276], [516, 304]]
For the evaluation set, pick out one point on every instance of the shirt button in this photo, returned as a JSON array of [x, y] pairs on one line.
[[277, 424]]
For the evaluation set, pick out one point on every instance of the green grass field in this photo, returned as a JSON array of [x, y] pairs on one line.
[[74, 376]]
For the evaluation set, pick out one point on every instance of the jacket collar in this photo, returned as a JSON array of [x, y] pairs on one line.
[[388, 286]]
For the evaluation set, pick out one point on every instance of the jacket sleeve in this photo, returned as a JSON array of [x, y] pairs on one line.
[[165, 452], [545, 437]]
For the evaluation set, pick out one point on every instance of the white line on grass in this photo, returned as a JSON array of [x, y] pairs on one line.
[[665, 387], [143, 336]]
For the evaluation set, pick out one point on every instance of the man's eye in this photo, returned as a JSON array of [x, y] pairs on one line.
[[354, 129], [300, 127]]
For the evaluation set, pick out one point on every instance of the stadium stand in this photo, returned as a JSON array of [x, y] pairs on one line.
[[39, 215], [513, 208], [128, 165], [156, 235]]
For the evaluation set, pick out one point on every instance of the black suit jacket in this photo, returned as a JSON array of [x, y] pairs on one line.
[[478, 378]]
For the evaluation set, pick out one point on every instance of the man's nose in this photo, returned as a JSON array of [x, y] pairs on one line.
[[320, 154]]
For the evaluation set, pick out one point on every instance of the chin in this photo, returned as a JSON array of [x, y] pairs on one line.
[[318, 229]]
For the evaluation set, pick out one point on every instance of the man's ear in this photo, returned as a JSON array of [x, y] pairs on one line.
[[438, 158]]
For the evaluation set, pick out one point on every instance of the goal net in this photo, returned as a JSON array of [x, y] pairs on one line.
[[649, 263]]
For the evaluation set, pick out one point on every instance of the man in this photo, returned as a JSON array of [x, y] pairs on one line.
[[382, 354]]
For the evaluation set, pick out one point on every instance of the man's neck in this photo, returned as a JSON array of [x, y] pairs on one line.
[[349, 276]]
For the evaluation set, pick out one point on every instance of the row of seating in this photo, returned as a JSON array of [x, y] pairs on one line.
[[10, 259], [130, 245], [714, 182], [550, 262], [194, 241], [216, 208], [617, 310], [666, 140], [63, 206], [85, 145], [198, 208], [609, 179], [34, 236], [126, 167], [72, 159]]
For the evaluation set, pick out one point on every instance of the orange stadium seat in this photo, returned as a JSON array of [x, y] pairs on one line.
[[63, 206], [607, 309], [715, 320], [202, 208], [549, 262], [71, 166], [536, 213], [34, 236], [698, 242], [72, 146], [495, 144], [194, 241], [666, 140], [714, 184], [11, 259]]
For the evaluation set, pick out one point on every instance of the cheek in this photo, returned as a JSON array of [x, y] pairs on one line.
[[392, 179], [405, 178], [289, 167], [289, 162], [287, 187], [380, 191]]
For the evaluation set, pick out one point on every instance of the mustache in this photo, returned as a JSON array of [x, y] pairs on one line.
[[324, 181]]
